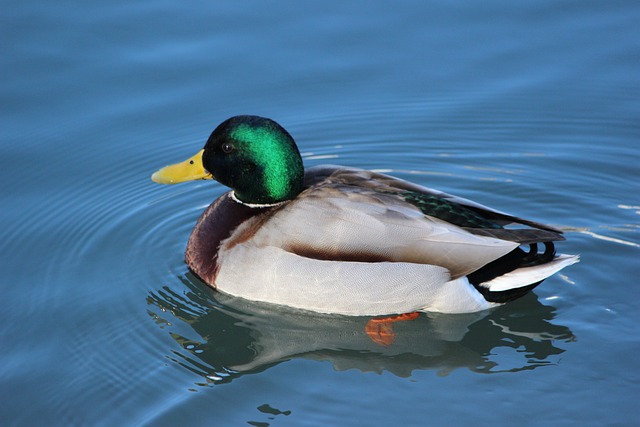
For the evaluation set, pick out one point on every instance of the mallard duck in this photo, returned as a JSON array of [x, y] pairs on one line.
[[348, 241]]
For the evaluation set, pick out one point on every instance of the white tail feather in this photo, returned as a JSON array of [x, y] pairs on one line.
[[528, 275]]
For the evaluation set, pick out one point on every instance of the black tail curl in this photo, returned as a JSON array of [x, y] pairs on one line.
[[534, 258]]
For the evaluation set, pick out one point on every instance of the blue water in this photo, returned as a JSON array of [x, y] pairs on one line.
[[529, 107]]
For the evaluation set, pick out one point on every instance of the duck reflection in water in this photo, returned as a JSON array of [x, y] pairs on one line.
[[234, 336]]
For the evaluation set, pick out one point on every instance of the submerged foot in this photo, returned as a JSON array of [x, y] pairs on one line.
[[380, 330]]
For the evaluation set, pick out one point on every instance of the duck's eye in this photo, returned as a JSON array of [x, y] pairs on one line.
[[227, 147]]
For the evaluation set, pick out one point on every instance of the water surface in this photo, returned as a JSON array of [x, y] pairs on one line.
[[531, 108]]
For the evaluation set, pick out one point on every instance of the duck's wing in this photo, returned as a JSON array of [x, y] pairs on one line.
[[467, 214]]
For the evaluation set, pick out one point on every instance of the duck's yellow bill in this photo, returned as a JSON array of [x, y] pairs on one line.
[[189, 170]]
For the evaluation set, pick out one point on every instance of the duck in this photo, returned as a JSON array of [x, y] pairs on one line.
[[348, 241]]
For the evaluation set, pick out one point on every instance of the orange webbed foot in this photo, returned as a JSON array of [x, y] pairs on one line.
[[380, 330]]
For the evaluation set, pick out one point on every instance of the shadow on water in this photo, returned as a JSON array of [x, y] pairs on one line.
[[234, 337]]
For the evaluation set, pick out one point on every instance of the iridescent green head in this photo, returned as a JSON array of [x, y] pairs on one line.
[[257, 158], [254, 156]]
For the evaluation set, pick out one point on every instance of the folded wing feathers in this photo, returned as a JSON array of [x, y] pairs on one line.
[[523, 236]]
